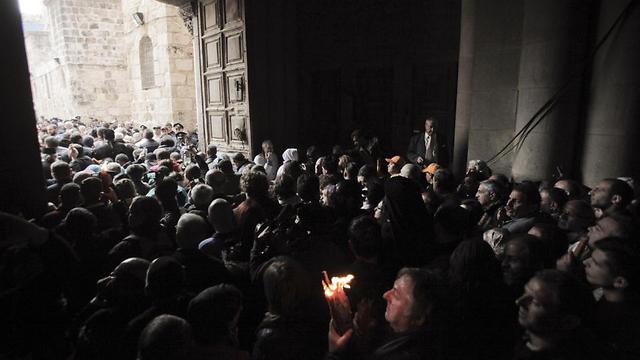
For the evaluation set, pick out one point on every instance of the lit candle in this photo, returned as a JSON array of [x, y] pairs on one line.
[[338, 301]]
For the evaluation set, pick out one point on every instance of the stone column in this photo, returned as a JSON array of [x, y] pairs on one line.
[[552, 46], [465, 76], [611, 136]]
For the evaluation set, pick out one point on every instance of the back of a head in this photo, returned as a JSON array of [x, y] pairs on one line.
[[122, 158], [87, 141], [148, 134], [212, 150], [256, 168], [410, 171], [225, 166], [239, 158], [254, 184], [136, 172], [165, 278], [144, 212], [293, 168], [134, 268], [285, 186], [201, 196], [70, 194], [80, 221], [290, 154], [91, 189], [212, 311], [364, 236], [79, 177], [167, 337], [330, 165], [60, 170], [214, 178], [366, 171], [308, 187], [168, 142], [190, 231], [51, 142], [472, 263], [192, 172], [166, 190], [76, 139], [125, 189], [220, 216], [175, 156], [163, 154], [444, 181], [109, 135], [286, 287]]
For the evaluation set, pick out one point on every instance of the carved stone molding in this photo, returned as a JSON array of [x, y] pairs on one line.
[[187, 12]]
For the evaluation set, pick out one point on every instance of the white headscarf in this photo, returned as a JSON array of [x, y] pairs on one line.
[[289, 155]]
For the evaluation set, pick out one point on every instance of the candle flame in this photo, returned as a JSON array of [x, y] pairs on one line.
[[336, 282]]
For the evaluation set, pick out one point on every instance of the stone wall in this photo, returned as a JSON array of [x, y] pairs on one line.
[[87, 62], [86, 43], [172, 99]]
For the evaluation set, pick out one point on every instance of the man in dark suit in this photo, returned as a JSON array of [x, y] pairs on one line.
[[425, 147]]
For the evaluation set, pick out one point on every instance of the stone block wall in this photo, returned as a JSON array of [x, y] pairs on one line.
[[87, 62], [87, 74], [172, 98]]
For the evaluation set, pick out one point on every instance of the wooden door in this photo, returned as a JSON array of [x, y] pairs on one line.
[[224, 100]]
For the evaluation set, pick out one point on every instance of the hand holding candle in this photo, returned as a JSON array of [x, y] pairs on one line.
[[338, 301]]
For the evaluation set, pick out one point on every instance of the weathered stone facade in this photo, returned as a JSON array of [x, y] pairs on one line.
[[87, 62]]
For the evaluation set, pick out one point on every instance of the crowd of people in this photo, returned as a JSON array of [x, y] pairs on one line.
[[152, 249]]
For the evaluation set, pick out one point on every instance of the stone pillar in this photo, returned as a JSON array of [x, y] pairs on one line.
[[611, 136], [551, 48], [496, 58], [463, 101], [21, 182]]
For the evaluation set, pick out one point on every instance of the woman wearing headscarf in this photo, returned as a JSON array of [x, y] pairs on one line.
[[288, 156]]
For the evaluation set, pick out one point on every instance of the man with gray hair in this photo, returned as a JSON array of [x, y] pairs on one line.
[[268, 159], [490, 195], [200, 197]]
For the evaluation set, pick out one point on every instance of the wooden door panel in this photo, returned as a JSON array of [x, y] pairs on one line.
[[232, 11], [238, 127], [223, 75], [211, 18], [234, 51], [216, 126], [212, 53], [235, 87], [215, 93]]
